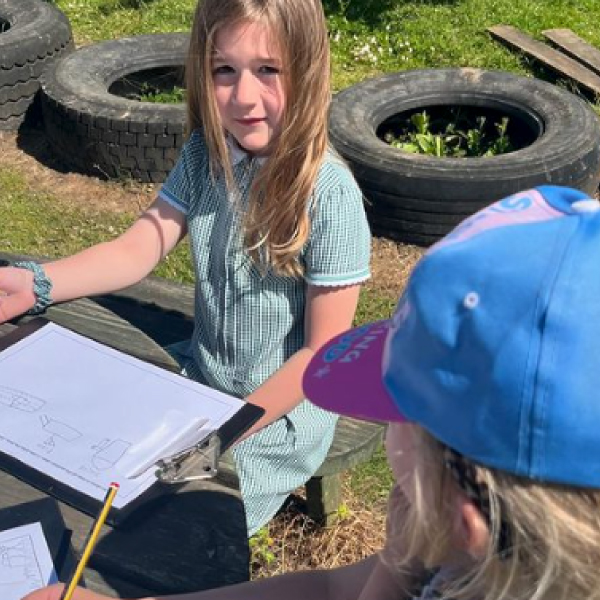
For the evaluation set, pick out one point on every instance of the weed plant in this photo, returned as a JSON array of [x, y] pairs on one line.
[[174, 96], [461, 134]]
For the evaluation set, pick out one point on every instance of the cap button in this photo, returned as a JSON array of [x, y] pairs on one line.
[[471, 300], [586, 206]]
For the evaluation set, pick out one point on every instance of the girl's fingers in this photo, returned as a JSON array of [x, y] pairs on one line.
[[16, 292], [13, 305], [48, 593]]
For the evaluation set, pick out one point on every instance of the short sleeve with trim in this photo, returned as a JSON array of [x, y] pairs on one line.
[[185, 182], [339, 247]]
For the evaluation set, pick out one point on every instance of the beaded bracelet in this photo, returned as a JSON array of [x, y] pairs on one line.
[[42, 286]]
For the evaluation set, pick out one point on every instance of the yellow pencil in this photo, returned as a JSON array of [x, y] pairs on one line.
[[91, 541]]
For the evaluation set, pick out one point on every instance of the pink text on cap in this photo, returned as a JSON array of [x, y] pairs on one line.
[[521, 208]]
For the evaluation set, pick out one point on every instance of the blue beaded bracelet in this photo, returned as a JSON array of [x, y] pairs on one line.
[[42, 286]]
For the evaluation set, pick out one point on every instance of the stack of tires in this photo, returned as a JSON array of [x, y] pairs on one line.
[[92, 124], [33, 35], [417, 198]]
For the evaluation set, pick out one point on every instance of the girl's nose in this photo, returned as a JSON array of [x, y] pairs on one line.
[[246, 89]]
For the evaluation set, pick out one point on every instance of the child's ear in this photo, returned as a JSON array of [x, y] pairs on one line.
[[471, 531]]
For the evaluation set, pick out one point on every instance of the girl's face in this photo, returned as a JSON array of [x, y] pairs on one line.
[[447, 546], [247, 75], [400, 448]]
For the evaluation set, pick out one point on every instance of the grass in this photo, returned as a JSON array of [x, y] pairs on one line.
[[370, 37], [65, 229]]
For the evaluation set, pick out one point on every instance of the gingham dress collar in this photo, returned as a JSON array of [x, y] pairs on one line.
[[238, 154]]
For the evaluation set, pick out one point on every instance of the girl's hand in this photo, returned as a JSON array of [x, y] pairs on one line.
[[48, 593], [16, 292], [53, 592]]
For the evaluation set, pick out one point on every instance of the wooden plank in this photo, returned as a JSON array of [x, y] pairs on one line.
[[575, 47], [553, 59]]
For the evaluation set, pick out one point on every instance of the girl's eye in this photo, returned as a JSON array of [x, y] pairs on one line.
[[222, 70], [268, 70]]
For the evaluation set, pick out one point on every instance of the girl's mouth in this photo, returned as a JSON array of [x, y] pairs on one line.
[[249, 122]]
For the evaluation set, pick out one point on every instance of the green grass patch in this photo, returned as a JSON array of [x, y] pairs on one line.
[[372, 480], [373, 306], [370, 37], [38, 224], [96, 20]]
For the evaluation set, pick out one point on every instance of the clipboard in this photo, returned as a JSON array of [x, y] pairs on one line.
[[198, 461], [58, 537]]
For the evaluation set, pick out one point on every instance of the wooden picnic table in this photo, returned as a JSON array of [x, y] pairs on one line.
[[192, 537]]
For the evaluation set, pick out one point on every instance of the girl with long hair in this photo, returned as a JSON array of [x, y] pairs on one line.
[[276, 225]]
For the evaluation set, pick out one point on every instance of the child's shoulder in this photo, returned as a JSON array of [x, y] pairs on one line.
[[334, 175], [196, 142]]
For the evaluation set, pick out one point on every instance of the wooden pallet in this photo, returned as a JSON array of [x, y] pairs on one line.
[[573, 46], [557, 61]]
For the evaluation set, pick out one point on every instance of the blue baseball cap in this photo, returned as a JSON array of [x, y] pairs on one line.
[[494, 347]]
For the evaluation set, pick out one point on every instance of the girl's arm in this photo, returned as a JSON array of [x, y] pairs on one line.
[[329, 311], [102, 268], [365, 580]]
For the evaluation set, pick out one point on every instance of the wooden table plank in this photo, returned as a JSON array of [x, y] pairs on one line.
[[191, 538], [100, 324], [553, 59], [575, 47]]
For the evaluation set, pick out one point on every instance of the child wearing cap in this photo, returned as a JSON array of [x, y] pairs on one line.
[[488, 373]]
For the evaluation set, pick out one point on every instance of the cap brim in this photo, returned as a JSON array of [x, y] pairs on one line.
[[345, 375]]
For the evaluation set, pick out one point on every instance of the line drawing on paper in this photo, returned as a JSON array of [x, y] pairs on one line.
[[19, 569], [109, 453], [19, 400], [59, 429]]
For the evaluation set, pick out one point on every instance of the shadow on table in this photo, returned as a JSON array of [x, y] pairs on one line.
[[163, 326], [179, 542]]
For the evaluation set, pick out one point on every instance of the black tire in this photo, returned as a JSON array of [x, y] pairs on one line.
[[34, 35], [418, 198], [97, 132]]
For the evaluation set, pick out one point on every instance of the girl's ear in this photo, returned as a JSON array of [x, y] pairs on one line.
[[471, 531]]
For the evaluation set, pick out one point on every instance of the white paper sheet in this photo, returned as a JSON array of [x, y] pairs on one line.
[[25, 561], [87, 415]]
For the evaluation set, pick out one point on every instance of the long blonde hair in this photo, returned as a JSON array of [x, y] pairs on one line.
[[277, 224], [554, 532]]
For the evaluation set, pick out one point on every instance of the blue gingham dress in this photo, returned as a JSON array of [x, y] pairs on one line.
[[248, 323]]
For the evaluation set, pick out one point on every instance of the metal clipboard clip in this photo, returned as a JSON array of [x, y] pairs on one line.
[[191, 464]]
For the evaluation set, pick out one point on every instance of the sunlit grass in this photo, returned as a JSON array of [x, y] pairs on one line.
[[39, 224], [370, 37]]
